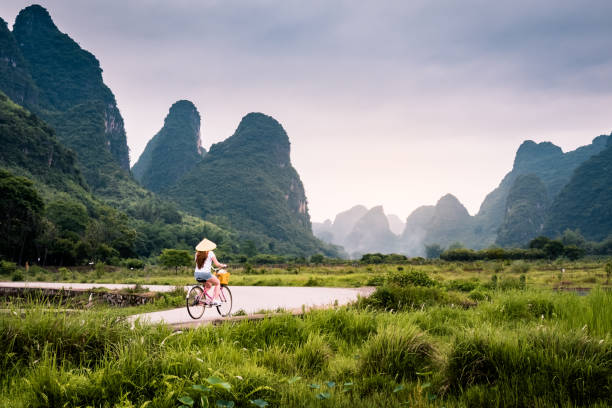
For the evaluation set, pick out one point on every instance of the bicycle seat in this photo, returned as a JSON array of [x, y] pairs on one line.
[[201, 280]]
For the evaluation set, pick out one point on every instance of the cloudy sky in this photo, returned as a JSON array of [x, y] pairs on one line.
[[394, 103]]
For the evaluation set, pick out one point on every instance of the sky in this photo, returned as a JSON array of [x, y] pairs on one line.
[[392, 103]]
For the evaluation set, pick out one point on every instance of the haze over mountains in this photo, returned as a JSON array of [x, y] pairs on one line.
[[62, 130], [546, 192]]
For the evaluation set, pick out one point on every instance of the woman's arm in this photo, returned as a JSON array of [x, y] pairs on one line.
[[217, 264]]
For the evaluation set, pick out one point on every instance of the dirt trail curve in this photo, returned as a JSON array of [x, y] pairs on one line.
[[250, 299]]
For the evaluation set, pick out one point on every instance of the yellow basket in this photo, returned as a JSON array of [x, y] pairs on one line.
[[223, 277]]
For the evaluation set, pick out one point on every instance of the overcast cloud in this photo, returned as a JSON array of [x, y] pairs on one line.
[[394, 103]]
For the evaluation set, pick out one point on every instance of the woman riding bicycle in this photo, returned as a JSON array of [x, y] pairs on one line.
[[204, 258]]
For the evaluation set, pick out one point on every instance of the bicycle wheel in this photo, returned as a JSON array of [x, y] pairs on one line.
[[195, 302], [225, 297]]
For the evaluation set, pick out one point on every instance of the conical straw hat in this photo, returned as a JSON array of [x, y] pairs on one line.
[[206, 245]]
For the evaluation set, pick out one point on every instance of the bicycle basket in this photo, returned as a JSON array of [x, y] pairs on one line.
[[223, 277]]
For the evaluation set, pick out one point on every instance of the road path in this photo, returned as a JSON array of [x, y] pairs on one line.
[[250, 299], [253, 299], [83, 286]]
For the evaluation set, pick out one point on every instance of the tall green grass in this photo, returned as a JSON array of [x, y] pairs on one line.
[[520, 348]]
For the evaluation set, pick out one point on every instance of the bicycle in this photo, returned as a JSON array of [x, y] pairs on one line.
[[199, 297]]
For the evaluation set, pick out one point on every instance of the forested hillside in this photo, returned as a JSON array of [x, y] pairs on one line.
[[173, 151], [585, 204], [247, 183], [546, 161], [73, 98], [526, 207]]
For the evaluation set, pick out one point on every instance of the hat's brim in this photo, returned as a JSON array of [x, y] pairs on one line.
[[206, 245]]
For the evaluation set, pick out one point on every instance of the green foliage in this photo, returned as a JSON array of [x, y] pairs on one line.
[[501, 352], [173, 258], [382, 258], [584, 203], [398, 352], [410, 278], [264, 259], [29, 143], [573, 253], [21, 209], [578, 366], [519, 266], [313, 355], [493, 254], [7, 268], [173, 151], [433, 251], [73, 97], [462, 285], [544, 160], [525, 211], [133, 263], [396, 298], [68, 216], [247, 183]]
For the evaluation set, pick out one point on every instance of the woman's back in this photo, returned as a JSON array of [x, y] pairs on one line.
[[207, 263]]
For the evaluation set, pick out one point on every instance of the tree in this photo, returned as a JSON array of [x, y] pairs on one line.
[[433, 251], [455, 245], [249, 248], [539, 242], [21, 210], [574, 238], [554, 249], [175, 258], [317, 259], [572, 252], [68, 215]]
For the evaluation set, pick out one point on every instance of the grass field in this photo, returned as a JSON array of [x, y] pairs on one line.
[[538, 274], [426, 337]]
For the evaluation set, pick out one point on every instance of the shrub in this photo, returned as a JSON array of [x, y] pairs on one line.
[[280, 330], [350, 326], [7, 268], [17, 275], [312, 281], [509, 283], [410, 278], [479, 295], [399, 352], [133, 263], [515, 306], [65, 273], [391, 297], [267, 259], [376, 280], [278, 359], [312, 356], [533, 364], [519, 266], [462, 285]]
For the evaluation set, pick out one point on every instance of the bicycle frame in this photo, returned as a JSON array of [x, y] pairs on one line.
[[205, 291]]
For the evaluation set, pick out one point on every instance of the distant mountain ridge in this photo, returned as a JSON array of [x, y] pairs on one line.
[[515, 212], [359, 230]]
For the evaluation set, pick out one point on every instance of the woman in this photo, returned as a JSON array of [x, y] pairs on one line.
[[204, 259]]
